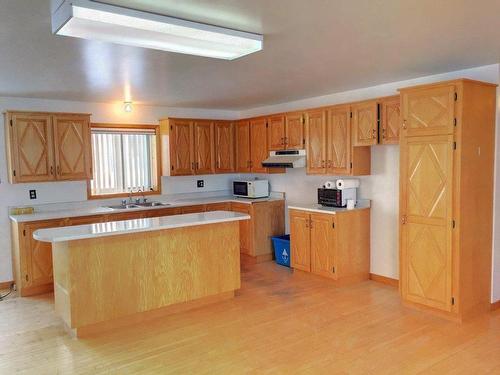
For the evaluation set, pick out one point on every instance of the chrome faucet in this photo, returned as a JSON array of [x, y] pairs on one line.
[[130, 191], [144, 199]]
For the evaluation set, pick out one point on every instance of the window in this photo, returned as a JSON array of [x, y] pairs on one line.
[[124, 157]]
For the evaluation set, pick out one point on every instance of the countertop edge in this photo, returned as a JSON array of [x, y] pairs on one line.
[[55, 239]]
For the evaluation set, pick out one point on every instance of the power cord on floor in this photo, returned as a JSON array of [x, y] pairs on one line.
[[6, 295]]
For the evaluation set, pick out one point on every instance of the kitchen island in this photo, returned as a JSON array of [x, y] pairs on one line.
[[107, 275]]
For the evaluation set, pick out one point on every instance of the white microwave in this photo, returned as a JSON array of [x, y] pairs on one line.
[[251, 189]]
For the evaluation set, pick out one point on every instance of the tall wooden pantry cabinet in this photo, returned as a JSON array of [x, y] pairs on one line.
[[446, 196]]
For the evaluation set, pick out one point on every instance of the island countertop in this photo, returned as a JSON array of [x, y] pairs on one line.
[[115, 228]]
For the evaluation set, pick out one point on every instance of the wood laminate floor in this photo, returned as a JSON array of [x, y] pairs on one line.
[[279, 323]]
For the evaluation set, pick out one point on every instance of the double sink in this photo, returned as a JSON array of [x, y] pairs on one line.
[[137, 205]]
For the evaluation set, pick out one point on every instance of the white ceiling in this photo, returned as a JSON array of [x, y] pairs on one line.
[[311, 48]]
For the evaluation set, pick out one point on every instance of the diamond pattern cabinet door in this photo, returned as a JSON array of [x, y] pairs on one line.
[[315, 130], [339, 141], [426, 221], [72, 147], [224, 147], [243, 146], [390, 118], [258, 145], [30, 147], [204, 147], [276, 132], [38, 255], [181, 148], [429, 111], [365, 123], [300, 240], [294, 131], [322, 245]]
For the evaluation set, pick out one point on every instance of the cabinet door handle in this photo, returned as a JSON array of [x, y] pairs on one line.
[[404, 124], [58, 170], [285, 140], [403, 219], [374, 133], [322, 164], [310, 223], [51, 170]]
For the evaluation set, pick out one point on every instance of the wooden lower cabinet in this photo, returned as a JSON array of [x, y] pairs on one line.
[[193, 209], [332, 245], [267, 220]]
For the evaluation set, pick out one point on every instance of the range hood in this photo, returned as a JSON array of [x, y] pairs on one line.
[[286, 159]]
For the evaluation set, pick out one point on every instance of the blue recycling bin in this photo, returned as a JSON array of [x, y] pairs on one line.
[[281, 245]]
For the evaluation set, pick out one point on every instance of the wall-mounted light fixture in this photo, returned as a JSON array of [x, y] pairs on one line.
[[98, 21], [127, 106]]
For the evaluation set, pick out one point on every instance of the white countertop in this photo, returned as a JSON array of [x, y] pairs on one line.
[[115, 228], [90, 211], [315, 207]]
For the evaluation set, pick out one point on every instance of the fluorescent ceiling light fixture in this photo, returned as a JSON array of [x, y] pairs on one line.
[[98, 21]]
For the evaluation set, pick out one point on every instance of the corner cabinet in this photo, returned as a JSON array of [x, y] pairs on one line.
[[45, 147], [336, 246], [446, 196]]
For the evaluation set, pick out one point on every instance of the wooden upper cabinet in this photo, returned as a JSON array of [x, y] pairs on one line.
[[204, 157], [365, 123], [72, 147], [181, 147], [390, 120], [429, 110], [224, 147], [315, 129], [276, 132], [300, 240], [339, 140], [48, 146], [322, 245], [258, 145], [294, 130], [243, 146], [30, 145]]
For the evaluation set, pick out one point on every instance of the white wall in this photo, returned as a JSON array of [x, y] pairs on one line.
[[52, 192], [382, 187]]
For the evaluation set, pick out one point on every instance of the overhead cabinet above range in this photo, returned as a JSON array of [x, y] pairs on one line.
[[48, 146]]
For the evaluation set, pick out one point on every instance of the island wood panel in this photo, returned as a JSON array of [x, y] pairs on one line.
[[258, 145], [224, 147], [315, 135], [246, 227], [175, 265], [339, 140], [276, 132], [365, 123], [204, 156], [30, 145], [243, 161], [294, 131], [390, 120], [73, 155]]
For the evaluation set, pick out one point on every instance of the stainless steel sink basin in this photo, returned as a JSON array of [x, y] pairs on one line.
[[123, 206], [152, 204]]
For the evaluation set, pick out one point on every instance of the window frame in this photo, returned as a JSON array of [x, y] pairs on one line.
[[156, 129]]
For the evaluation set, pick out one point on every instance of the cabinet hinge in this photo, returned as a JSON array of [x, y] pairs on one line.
[[351, 164], [14, 172], [455, 121], [453, 223], [304, 141], [172, 167], [267, 124], [454, 145], [333, 225], [27, 278], [333, 269], [452, 300], [456, 96], [351, 114], [24, 232], [171, 127], [10, 122]]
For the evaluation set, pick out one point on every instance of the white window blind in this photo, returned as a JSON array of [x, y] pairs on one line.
[[123, 159]]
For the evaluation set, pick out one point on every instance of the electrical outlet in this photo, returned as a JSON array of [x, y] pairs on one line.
[[32, 194], [200, 183]]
